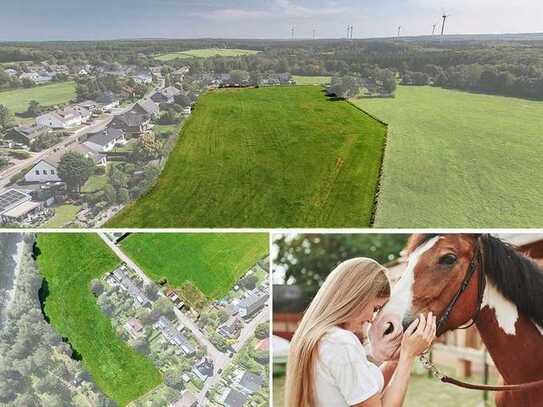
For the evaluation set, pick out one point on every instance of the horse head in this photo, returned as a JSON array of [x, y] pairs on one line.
[[443, 275]]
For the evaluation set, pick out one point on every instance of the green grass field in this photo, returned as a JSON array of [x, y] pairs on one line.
[[456, 159], [311, 80], [213, 262], [268, 157], [205, 53], [69, 262], [47, 95], [63, 214]]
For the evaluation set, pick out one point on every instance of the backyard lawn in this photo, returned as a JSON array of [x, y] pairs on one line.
[[456, 159], [69, 262], [63, 214], [47, 95], [213, 262], [268, 157], [205, 53]]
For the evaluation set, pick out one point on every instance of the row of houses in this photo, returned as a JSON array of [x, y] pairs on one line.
[[174, 336], [120, 278]]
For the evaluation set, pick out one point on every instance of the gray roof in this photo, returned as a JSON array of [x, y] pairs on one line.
[[253, 303], [12, 198], [170, 91], [148, 106], [235, 399], [251, 381], [105, 136], [173, 334], [31, 132], [130, 119]]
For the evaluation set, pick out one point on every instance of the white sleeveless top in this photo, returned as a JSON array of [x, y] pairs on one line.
[[343, 376]]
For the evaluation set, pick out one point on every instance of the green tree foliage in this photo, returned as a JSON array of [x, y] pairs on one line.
[[75, 169], [239, 76], [345, 87], [147, 148], [262, 330], [6, 119], [307, 259]]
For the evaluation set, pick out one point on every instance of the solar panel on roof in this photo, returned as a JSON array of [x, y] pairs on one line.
[[11, 197]]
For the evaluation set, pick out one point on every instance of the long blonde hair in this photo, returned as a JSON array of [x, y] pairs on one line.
[[347, 290]]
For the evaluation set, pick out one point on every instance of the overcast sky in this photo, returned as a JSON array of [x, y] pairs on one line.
[[109, 19]]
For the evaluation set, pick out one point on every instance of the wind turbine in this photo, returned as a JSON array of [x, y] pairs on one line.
[[399, 30], [444, 17], [314, 34], [434, 29]]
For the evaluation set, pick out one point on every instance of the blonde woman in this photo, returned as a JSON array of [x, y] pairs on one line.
[[327, 364]]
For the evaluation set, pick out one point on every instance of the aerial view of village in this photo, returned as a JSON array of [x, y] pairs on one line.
[[115, 319]]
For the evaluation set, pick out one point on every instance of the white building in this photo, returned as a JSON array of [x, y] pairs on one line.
[[42, 172], [63, 118], [105, 140]]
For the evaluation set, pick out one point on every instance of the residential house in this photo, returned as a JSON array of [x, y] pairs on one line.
[[27, 135], [172, 295], [63, 118], [187, 110], [230, 329], [17, 207], [143, 78], [234, 398], [121, 278], [134, 327], [249, 383], [251, 305], [203, 369], [147, 107], [132, 123], [174, 336], [105, 140], [107, 101], [179, 74], [166, 95], [46, 170], [37, 77]]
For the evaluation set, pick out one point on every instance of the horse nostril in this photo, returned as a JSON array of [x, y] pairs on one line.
[[389, 329]]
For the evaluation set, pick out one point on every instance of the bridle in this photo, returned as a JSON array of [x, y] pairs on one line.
[[472, 268], [427, 363]]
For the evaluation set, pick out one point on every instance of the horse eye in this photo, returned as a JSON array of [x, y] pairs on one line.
[[447, 259]]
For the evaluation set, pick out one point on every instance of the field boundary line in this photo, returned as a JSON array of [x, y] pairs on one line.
[[379, 184]]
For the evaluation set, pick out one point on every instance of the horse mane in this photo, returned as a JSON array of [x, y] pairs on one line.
[[517, 277]]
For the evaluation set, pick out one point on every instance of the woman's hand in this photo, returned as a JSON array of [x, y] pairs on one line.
[[419, 336]]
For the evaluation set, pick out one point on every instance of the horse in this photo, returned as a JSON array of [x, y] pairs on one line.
[[465, 278]]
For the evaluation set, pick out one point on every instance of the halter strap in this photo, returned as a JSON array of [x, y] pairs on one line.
[[475, 261]]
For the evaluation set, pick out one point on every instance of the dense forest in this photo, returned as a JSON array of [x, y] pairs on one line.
[[508, 65]]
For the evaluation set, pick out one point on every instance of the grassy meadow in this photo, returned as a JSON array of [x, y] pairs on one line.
[[268, 157], [456, 159], [69, 262], [213, 262], [311, 80], [47, 95], [205, 53]]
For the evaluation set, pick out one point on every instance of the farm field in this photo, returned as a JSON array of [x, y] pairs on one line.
[[69, 262], [268, 157], [213, 262], [311, 80], [456, 159], [47, 95], [205, 53]]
